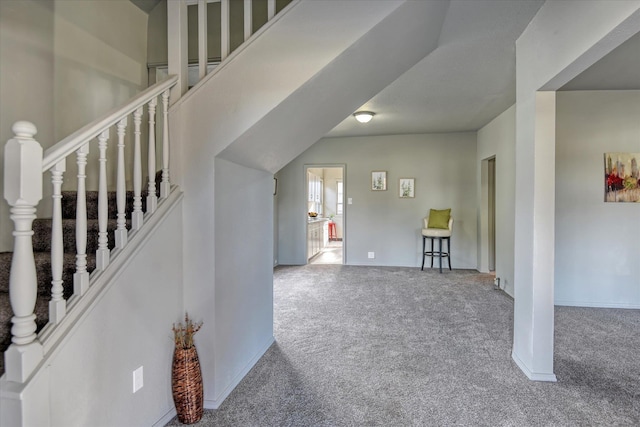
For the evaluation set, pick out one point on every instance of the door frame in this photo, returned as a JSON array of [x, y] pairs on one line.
[[484, 243], [304, 198]]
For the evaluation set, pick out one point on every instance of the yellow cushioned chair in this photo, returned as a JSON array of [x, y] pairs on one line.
[[435, 230]]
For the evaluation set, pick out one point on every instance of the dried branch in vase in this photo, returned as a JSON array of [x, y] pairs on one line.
[[183, 334]]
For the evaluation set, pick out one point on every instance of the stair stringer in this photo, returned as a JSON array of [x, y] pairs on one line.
[[272, 100], [119, 325]]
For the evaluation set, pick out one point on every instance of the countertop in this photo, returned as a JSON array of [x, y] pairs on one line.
[[317, 219]]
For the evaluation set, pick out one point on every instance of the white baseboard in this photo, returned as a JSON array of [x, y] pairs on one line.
[[215, 403], [596, 304], [166, 418], [533, 376]]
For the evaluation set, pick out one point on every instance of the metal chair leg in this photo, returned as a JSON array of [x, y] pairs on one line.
[[440, 252], [431, 253]]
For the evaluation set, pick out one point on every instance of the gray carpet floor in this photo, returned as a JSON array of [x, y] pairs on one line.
[[377, 346]]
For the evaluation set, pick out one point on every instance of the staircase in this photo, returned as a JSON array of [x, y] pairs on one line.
[[42, 254]]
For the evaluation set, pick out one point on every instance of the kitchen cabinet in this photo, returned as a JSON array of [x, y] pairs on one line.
[[317, 236]]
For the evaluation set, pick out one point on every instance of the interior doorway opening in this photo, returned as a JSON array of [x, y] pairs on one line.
[[487, 241], [325, 207], [492, 213]]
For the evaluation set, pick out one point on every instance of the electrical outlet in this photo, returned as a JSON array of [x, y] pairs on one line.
[[371, 255], [138, 381]]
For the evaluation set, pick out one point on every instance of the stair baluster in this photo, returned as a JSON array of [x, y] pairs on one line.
[[137, 217], [165, 185], [102, 254], [121, 192], [57, 305], [81, 276], [23, 191], [152, 199]]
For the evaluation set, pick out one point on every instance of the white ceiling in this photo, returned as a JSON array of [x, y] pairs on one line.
[[470, 78]]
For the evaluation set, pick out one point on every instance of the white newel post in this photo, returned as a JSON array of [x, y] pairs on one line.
[[225, 30], [165, 185], [57, 305], [152, 199], [81, 276], [121, 191], [177, 46], [23, 191], [102, 253], [271, 9], [203, 56], [248, 19], [137, 217]]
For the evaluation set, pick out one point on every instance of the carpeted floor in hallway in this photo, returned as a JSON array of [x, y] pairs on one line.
[[386, 346]]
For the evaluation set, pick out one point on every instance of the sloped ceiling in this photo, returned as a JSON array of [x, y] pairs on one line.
[[470, 78], [146, 5], [619, 70]]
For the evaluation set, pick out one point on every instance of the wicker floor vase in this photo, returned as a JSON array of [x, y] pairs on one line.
[[186, 382]]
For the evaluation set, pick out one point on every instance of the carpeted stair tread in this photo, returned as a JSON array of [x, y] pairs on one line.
[[43, 271], [42, 234], [68, 204]]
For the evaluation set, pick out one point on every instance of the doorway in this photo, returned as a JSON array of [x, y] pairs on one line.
[[325, 207], [487, 243], [492, 213]]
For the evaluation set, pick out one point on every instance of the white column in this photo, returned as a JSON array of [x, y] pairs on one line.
[[248, 19], [121, 191], [57, 305], [203, 55], [23, 191], [152, 199], [102, 253], [165, 185], [225, 38], [178, 46], [534, 263], [562, 40], [81, 276]]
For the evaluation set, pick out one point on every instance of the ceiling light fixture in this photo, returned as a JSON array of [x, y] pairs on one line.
[[363, 116]]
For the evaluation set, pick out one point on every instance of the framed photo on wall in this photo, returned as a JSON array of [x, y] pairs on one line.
[[379, 180], [407, 188], [621, 177]]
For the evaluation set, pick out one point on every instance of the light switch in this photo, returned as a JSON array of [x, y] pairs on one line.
[[349, 201]]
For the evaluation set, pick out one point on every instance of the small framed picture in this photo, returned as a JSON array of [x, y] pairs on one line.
[[379, 180], [407, 188]]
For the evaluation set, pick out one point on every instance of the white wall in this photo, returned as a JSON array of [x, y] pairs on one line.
[[243, 314], [497, 139], [26, 80], [63, 63], [100, 52], [379, 221], [597, 243], [90, 375]]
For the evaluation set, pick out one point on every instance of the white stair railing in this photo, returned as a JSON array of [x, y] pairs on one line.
[[25, 165]]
